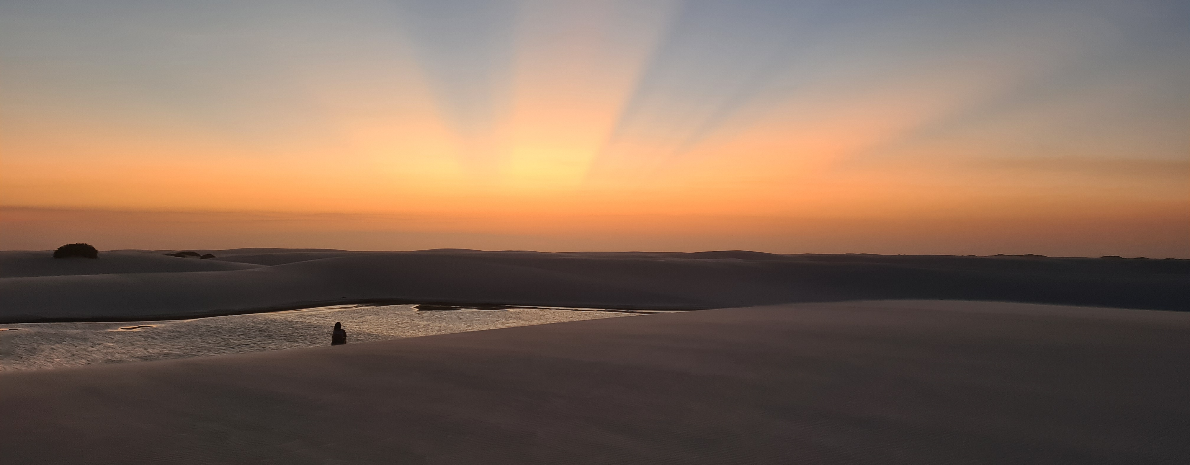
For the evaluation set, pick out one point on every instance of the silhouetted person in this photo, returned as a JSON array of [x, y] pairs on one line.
[[339, 336]]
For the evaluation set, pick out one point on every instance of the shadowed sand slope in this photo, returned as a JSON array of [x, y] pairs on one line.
[[625, 280], [857, 382], [31, 264], [271, 257]]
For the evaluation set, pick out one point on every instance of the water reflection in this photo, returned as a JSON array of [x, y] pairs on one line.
[[28, 346]]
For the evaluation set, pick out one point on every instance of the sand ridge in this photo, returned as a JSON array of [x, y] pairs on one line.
[[21, 264], [601, 280]]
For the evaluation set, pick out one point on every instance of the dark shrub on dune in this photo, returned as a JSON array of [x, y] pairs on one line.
[[80, 250]]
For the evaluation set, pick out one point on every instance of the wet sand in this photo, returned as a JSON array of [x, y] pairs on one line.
[[31, 346], [925, 382]]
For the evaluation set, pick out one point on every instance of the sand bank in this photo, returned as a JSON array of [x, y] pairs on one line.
[[22, 264], [874, 382], [601, 280]]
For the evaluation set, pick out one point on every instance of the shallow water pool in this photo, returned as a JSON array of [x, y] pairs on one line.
[[30, 346]]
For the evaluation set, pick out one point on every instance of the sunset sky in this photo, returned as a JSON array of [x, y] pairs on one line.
[[1049, 127]]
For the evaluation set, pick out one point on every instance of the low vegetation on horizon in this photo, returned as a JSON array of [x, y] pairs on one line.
[[79, 250]]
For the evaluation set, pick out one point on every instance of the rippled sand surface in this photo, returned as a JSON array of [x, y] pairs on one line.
[[52, 345]]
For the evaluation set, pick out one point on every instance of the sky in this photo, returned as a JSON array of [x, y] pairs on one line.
[[907, 127]]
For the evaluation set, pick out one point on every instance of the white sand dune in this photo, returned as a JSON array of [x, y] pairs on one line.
[[271, 257], [627, 280], [852, 382], [41, 263]]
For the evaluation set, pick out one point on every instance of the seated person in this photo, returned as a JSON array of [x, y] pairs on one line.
[[339, 336]]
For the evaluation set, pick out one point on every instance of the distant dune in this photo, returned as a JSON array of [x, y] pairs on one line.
[[271, 258], [32, 264], [137, 285]]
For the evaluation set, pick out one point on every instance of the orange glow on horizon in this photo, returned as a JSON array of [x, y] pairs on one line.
[[610, 122]]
